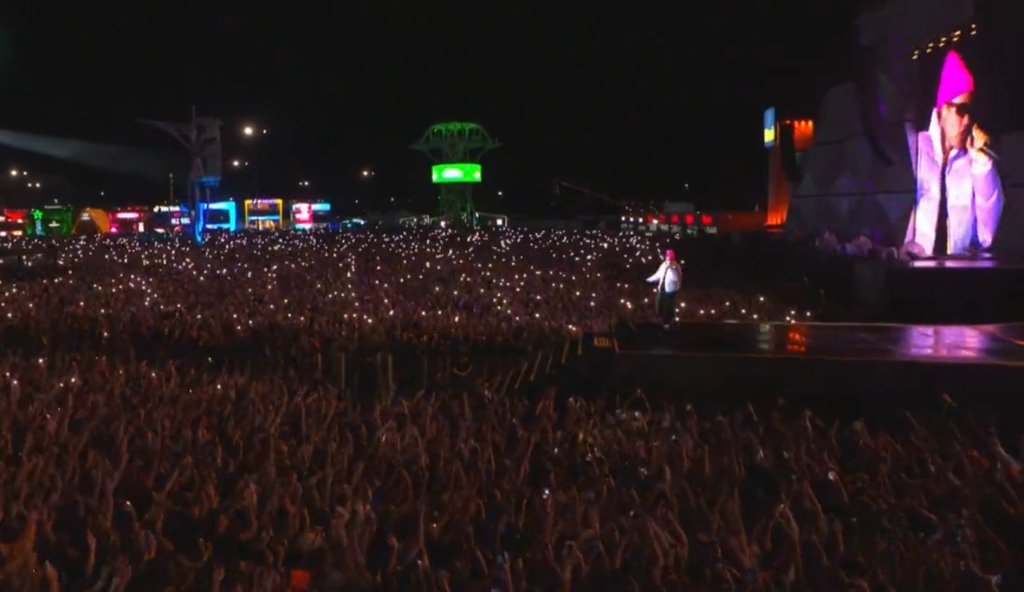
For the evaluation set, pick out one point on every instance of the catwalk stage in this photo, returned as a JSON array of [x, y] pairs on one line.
[[810, 359]]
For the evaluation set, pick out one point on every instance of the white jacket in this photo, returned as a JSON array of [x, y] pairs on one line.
[[974, 195], [672, 275]]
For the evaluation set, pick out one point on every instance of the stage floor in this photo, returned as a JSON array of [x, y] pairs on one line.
[[987, 344], [814, 359]]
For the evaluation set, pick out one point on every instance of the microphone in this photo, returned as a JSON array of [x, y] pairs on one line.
[[989, 153], [984, 148]]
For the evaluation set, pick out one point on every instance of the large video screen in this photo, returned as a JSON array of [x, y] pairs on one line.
[[958, 193], [919, 150], [456, 173]]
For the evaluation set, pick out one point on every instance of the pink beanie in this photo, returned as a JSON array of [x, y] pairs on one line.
[[955, 80], [670, 255]]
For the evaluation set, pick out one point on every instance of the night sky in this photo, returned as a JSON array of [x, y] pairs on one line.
[[636, 100]]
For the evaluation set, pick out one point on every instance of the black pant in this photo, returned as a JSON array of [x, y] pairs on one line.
[[666, 305]]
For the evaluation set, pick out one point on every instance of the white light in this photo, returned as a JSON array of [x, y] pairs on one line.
[[14, 172], [236, 163], [248, 130]]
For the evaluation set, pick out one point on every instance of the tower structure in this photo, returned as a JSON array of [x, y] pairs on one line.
[[456, 149], [201, 137]]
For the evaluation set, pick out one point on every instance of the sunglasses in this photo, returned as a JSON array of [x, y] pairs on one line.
[[962, 109]]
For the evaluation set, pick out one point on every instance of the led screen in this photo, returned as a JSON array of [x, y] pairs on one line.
[[456, 173], [302, 214], [896, 167], [769, 127], [220, 215]]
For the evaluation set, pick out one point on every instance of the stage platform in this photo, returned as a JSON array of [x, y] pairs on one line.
[[809, 359]]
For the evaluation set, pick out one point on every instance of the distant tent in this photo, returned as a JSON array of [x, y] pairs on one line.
[[92, 221]]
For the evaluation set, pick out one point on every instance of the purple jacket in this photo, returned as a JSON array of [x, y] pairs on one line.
[[974, 195]]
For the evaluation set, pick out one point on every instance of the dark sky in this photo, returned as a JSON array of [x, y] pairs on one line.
[[636, 98]]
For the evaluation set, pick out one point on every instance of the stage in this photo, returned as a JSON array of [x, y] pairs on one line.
[[810, 359]]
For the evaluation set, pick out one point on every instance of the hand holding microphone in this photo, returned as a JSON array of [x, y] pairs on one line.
[[977, 143]]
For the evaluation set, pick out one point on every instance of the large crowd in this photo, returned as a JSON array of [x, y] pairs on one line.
[[383, 412]]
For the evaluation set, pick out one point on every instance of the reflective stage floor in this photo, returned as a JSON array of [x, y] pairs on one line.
[[812, 358], [987, 344]]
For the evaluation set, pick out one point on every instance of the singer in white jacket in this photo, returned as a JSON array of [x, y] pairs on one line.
[[668, 277], [959, 194]]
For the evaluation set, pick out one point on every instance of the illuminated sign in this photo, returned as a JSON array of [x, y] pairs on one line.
[[456, 172], [264, 206], [302, 214], [170, 215], [127, 215], [220, 215], [769, 127], [263, 213]]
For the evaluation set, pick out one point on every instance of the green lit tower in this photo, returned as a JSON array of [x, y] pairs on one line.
[[456, 149]]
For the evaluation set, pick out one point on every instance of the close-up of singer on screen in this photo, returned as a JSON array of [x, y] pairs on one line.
[[959, 194]]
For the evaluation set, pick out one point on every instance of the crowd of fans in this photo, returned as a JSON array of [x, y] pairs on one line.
[[382, 411]]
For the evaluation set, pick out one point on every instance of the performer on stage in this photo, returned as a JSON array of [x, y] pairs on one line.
[[959, 194], [668, 277]]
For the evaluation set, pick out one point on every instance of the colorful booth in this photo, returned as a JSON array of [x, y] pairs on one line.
[[309, 215], [169, 219], [264, 213], [219, 215], [129, 221], [14, 222], [51, 220], [92, 221]]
